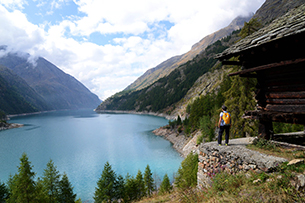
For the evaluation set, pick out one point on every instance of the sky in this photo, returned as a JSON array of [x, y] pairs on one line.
[[108, 44]]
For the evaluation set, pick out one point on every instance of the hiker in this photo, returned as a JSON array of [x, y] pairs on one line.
[[224, 124]]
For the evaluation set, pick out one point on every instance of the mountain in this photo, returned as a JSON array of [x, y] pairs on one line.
[[17, 96], [166, 67], [273, 9], [165, 92], [191, 79], [57, 89]]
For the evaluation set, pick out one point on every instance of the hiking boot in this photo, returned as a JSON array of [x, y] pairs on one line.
[[219, 144]]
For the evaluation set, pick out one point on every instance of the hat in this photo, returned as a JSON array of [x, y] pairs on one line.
[[224, 107]]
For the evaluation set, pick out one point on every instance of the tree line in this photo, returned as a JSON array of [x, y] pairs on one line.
[[54, 187], [51, 187]]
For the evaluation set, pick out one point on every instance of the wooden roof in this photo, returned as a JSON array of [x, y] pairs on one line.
[[292, 23]]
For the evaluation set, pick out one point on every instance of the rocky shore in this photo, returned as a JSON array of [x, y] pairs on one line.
[[184, 145], [6, 126]]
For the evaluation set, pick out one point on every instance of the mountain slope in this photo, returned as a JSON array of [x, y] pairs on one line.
[[58, 89], [273, 9], [164, 94], [166, 67], [161, 95], [17, 96]]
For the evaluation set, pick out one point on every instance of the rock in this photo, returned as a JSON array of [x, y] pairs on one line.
[[257, 181], [246, 167], [252, 166], [295, 162], [300, 183]]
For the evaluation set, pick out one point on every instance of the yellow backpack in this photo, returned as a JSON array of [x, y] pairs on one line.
[[226, 118]]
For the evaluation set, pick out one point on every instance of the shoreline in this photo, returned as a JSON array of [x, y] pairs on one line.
[[28, 114], [182, 144], [168, 117], [11, 126]]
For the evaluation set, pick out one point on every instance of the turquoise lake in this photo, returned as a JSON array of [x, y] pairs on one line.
[[80, 142]]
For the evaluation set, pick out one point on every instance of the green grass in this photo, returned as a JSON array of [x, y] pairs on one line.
[[248, 187]]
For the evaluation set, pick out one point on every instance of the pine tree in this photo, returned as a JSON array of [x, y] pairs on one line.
[[22, 185], [238, 99], [50, 181], [65, 192], [105, 190], [140, 185], [250, 27], [131, 189], [4, 192], [165, 185], [187, 173], [148, 181], [42, 193], [120, 188]]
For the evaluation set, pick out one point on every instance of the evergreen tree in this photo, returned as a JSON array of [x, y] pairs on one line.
[[105, 190], [165, 185], [238, 99], [22, 185], [42, 193], [11, 184], [4, 192], [65, 192], [120, 188], [50, 181], [187, 173], [250, 27], [131, 189], [140, 185], [148, 181]]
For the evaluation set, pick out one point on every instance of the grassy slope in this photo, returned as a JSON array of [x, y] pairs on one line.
[[247, 187]]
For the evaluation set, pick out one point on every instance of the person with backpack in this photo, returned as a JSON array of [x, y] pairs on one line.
[[224, 124]]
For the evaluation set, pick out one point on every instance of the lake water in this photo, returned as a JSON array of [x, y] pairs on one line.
[[80, 142]]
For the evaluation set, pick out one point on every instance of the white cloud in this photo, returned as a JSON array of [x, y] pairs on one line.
[[14, 4], [140, 41]]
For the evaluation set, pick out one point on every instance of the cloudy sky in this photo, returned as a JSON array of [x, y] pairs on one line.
[[108, 44]]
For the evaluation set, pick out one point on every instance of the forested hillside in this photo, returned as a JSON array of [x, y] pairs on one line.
[[166, 67], [168, 94], [167, 91], [163, 95]]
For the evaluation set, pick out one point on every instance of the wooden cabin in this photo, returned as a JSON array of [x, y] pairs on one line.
[[275, 55]]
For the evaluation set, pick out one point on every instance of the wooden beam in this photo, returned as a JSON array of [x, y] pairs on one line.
[[268, 66], [288, 145], [286, 101], [285, 95], [275, 116], [289, 88], [300, 109]]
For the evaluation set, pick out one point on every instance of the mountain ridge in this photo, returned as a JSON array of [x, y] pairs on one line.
[[167, 66], [166, 91], [58, 89]]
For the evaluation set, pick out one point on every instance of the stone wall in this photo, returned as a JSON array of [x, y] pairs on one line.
[[232, 159]]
